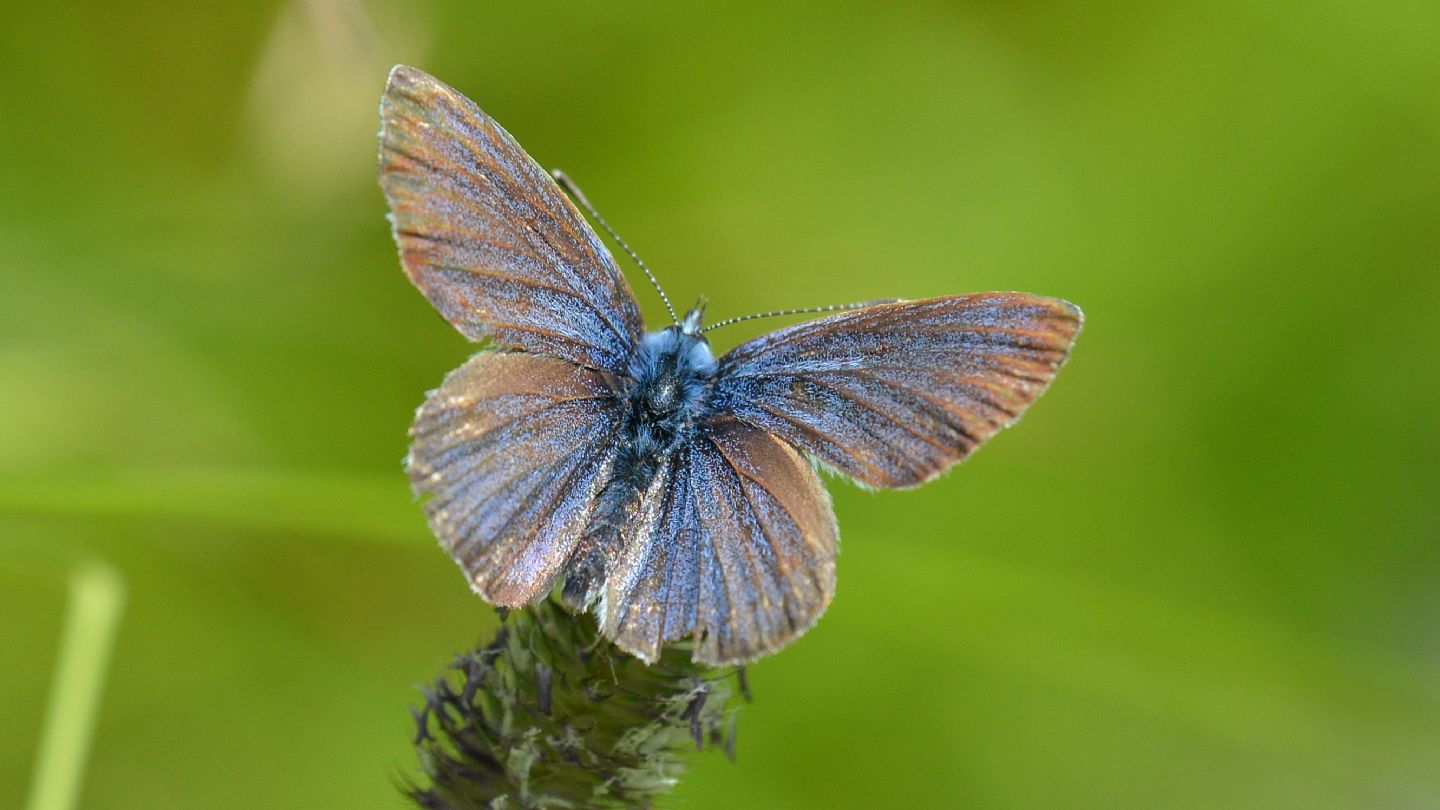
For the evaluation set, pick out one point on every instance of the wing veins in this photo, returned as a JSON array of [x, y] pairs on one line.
[[473, 205]]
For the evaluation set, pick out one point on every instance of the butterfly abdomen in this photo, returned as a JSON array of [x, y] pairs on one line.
[[665, 402]]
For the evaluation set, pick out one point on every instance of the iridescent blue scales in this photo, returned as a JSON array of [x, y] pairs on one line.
[[670, 492], [489, 238], [892, 395]]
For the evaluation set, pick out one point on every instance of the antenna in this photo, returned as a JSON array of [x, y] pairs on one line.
[[802, 311], [574, 191]]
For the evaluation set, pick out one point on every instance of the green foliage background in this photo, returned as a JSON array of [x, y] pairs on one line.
[[1203, 573]]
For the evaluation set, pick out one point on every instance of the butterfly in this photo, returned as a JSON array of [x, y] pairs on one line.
[[674, 493]]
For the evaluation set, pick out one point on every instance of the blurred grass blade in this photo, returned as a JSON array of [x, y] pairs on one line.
[[352, 506], [97, 598]]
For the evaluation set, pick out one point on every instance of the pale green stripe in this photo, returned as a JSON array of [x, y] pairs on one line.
[[356, 507], [97, 598]]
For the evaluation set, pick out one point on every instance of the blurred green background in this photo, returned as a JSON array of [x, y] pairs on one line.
[[1203, 573]]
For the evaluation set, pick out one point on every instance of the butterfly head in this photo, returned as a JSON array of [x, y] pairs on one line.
[[670, 378], [691, 324]]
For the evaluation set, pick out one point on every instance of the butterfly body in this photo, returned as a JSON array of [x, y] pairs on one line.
[[664, 398], [672, 492]]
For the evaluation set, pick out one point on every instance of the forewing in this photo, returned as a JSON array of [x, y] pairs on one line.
[[734, 544], [488, 236], [894, 394], [510, 454]]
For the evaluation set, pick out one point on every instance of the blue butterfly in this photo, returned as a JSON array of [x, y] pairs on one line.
[[673, 491]]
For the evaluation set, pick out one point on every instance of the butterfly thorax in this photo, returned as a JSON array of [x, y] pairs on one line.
[[669, 382], [663, 399]]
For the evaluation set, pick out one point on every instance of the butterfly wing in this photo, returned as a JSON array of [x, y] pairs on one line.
[[488, 236], [733, 543], [510, 454], [896, 393]]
